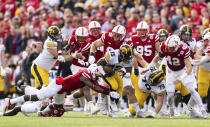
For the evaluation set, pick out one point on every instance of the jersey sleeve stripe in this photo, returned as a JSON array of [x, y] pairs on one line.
[[86, 47], [187, 54], [86, 75]]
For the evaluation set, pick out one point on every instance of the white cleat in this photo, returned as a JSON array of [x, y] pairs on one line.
[[113, 106], [5, 105], [140, 114], [205, 114], [94, 109], [103, 110], [195, 114], [171, 113], [129, 115], [112, 114], [163, 113]]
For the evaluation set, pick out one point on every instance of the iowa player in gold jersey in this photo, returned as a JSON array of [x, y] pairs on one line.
[[47, 58]]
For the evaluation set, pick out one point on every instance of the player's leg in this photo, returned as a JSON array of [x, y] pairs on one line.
[[12, 112], [40, 75], [188, 82], [203, 82], [58, 102], [170, 89]]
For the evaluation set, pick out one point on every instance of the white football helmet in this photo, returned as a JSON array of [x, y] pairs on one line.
[[93, 69], [172, 44], [206, 40], [94, 28], [142, 29], [118, 33], [206, 36], [81, 34]]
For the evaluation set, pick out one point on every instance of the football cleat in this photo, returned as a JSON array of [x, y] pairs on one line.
[[195, 114], [129, 115], [94, 109], [204, 113], [5, 105], [140, 114], [171, 113], [112, 114]]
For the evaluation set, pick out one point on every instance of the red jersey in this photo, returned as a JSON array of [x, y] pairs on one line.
[[146, 48], [175, 61], [99, 51], [109, 43], [83, 48], [73, 82], [208, 49]]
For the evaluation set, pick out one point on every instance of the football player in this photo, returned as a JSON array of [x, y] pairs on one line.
[[163, 35], [60, 85], [204, 66], [120, 60], [146, 45], [179, 70], [151, 82], [47, 58]]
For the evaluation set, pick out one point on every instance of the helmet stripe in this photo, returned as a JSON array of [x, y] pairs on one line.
[[117, 29], [187, 28], [94, 23], [82, 31]]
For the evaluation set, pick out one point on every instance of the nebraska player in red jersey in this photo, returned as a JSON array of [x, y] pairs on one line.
[[179, 69], [84, 77], [146, 44], [79, 49], [95, 34], [111, 41]]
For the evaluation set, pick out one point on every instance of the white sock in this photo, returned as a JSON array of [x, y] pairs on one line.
[[197, 98], [16, 100], [136, 106], [170, 99], [46, 110]]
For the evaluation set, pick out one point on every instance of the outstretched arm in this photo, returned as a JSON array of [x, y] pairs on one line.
[[96, 87]]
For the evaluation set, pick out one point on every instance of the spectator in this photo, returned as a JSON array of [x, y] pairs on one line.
[[132, 22], [176, 19]]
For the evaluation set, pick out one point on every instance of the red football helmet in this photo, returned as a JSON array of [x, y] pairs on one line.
[[118, 33], [95, 29], [81, 35], [172, 44], [142, 29], [57, 112]]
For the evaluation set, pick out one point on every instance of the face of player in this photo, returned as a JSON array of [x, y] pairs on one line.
[[58, 36], [171, 50], [81, 39], [116, 37], [185, 37], [142, 33], [162, 38], [95, 32]]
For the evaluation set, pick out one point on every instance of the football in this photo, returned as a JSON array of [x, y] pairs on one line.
[[108, 69]]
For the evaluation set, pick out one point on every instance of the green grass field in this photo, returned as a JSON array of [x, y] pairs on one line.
[[75, 119]]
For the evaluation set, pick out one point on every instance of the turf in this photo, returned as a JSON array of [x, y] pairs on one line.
[[75, 119]]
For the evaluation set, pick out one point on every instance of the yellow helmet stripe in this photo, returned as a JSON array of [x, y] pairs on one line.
[[187, 28], [162, 32], [156, 75]]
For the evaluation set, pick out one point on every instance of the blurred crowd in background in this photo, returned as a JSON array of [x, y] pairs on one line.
[[24, 22]]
